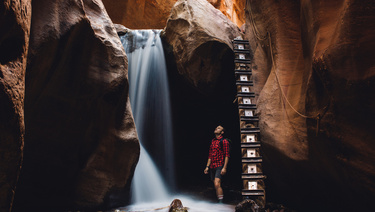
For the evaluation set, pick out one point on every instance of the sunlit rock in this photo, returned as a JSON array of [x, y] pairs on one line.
[[233, 9], [15, 18], [81, 145], [200, 38], [321, 52], [141, 14], [153, 14]]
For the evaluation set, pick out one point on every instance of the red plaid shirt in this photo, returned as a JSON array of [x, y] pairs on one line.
[[216, 154]]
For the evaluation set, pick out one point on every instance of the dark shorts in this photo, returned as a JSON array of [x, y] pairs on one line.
[[216, 173]]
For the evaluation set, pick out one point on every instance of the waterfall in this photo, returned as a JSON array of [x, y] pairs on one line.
[[150, 101]]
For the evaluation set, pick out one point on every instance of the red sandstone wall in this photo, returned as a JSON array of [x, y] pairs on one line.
[[153, 14], [322, 53]]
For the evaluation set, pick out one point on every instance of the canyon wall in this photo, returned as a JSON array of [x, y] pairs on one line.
[[314, 79], [141, 14], [314, 74], [153, 14], [15, 18], [64, 102]]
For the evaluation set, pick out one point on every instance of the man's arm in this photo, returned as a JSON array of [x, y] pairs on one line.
[[224, 169], [207, 166], [226, 154]]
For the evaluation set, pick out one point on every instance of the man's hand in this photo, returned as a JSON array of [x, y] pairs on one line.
[[223, 171], [206, 170]]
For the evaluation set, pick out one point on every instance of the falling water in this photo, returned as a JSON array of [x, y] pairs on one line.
[[149, 97]]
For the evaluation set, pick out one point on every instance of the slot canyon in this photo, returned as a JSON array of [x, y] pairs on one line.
[[68, 137]]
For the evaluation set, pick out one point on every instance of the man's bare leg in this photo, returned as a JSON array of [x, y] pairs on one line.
[[219, 190]]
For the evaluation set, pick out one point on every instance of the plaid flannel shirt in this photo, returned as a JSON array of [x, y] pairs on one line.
[[216, 154]]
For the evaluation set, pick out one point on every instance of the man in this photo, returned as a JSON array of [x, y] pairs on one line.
[[217, 162]]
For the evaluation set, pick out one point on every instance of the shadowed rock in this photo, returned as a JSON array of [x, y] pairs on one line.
[[81, 145], [15, 18], [247, 205], [320, 53]]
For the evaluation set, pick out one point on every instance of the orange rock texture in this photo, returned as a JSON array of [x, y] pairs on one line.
[[140, 14], [233, 9], [315, 77], [153, 14], [15, 18]]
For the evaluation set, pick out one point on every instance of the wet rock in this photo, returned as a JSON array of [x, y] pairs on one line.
[[176, 206], [247, 205], [15, 19], [320, 53], [120, 29], [200, 37], [81, 145]]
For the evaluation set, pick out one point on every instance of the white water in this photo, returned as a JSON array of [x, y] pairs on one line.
[[149, 97], [193, 205], [148, 185]]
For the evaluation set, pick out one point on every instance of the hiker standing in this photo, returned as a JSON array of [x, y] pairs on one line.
[[217, 162]]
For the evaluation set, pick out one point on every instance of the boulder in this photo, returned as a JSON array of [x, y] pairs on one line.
[[315, 79], [247, 205], [81, 145], [176, 206], [200, 38], [15, 18]]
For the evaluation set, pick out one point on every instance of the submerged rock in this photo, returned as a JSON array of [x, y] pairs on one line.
[[176, 206]]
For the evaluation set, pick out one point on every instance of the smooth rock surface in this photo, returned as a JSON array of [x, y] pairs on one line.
[[141, 14], [200, 37], [153, 14], [321, 52], [233, 9], [81, 145]]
